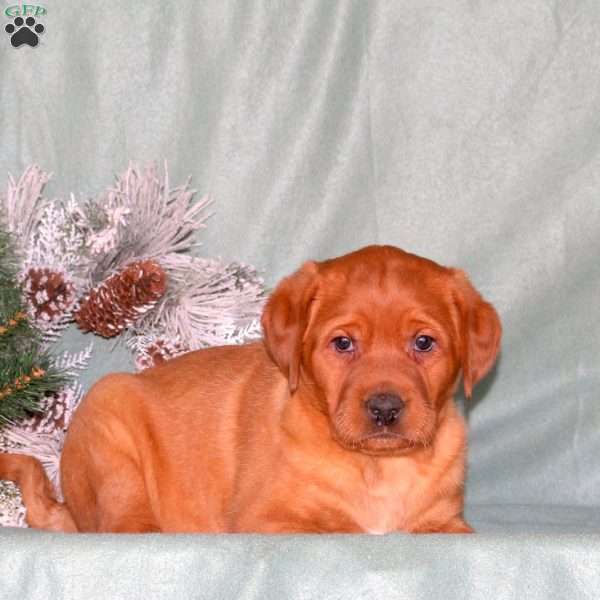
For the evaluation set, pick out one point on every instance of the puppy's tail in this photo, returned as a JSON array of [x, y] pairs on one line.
[[43, 510]]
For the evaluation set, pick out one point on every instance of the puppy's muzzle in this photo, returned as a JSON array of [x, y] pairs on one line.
[[384, 409]]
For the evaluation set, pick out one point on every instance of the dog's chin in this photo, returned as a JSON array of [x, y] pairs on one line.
[[380, 443]]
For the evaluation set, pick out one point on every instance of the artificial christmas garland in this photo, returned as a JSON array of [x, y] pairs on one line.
[[117, 265]]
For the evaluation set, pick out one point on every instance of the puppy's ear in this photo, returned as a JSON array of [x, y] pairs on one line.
[[285, 318], [481, 333]]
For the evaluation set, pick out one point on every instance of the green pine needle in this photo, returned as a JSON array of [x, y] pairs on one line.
[[26, 371], [24, 383]]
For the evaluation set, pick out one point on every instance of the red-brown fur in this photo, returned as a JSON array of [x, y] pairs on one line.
[[274, 436]]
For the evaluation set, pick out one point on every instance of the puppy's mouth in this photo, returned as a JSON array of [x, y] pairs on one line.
[[384, 442], [383, 435], [387, 442]]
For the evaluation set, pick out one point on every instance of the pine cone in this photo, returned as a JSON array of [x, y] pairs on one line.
[[49, 294], [122, 298]]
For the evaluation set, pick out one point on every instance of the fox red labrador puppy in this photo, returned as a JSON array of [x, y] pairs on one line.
[[341, 420]]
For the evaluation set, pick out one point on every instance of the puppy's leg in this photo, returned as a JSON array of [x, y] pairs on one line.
[[454, 525], [103, 483], [109, 498], [123, 504]]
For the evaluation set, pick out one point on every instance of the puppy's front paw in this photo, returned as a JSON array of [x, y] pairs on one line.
[[454, 525], [457, 525]]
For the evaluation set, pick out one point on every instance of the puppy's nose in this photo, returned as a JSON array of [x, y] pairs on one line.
[[384, 409]]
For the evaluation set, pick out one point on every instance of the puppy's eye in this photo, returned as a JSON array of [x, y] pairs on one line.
[[424, 343], [343, 344]]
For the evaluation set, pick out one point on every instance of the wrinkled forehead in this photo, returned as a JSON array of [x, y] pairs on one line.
[[392, 287]]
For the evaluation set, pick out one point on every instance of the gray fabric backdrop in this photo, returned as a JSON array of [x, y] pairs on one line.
[[467, 131]]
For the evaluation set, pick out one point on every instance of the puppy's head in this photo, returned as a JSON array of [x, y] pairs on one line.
[[379, 338]]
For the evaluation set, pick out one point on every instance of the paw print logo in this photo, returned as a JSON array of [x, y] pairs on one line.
[[24, 31]]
